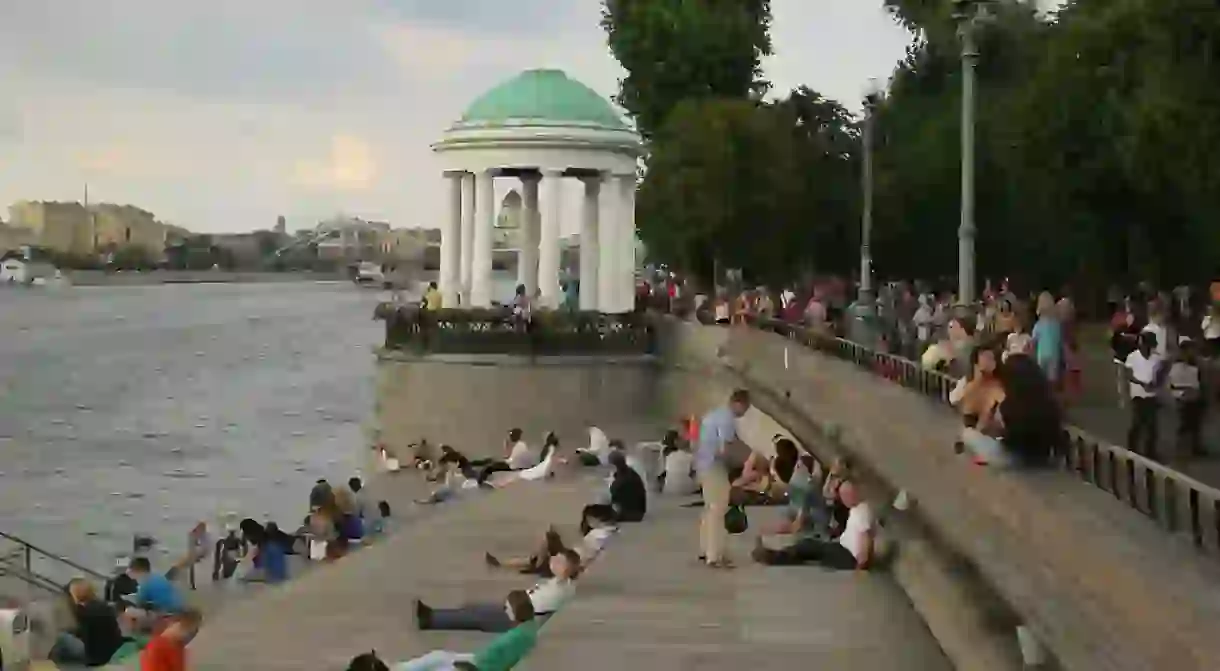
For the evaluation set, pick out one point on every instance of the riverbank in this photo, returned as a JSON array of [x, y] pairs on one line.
[[89, 278]]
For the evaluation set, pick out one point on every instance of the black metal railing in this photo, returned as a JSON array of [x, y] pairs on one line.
[[1176, 502], [499, 331], [40, 568]]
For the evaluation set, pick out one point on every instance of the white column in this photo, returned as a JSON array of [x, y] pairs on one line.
[[451, 241], [607, 225], [548, 239], [466, 237], [625, 254], [589, 244], [484, 230], [527, 272]]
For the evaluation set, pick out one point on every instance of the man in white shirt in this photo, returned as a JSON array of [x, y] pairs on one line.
[[519, 457], [599, 520], [852, 550], [1145, 372], [547, 596], [598, 452]]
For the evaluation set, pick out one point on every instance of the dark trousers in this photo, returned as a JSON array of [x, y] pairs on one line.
[[1142, 436], [604, 508], [1190, 426], [810, 551], [493, 467], [488, 617]]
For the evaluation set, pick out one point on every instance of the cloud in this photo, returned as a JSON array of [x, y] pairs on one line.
[[222, 115], [350, 166]]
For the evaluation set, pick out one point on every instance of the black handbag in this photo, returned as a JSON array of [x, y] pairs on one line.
[[735, 520]]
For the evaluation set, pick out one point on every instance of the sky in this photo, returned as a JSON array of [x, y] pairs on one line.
[[222, 115]]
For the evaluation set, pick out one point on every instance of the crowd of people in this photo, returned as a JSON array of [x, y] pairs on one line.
[[826, 521], [146, 612]]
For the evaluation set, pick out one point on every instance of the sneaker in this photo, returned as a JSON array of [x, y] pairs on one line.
[[423, 615]]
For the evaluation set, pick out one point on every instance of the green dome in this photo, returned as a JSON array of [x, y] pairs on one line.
[[542, 96]]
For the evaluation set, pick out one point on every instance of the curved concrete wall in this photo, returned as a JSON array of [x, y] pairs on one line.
[[470, 402]]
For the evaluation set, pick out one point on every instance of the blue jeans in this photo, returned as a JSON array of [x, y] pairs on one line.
[[68, 649]]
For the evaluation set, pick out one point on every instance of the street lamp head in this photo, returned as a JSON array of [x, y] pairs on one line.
[[971, 10], [874, 93]]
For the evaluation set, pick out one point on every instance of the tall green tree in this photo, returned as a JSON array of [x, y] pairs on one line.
[[680, 50]]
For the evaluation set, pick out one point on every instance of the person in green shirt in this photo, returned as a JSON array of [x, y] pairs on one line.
[[502, 654]]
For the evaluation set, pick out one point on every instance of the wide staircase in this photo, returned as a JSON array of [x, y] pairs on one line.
[[648, 603]]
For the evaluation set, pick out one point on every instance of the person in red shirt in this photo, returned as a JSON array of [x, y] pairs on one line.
[[167, 650]]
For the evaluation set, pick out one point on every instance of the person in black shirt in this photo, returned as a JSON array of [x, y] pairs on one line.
[[96, 636], [628, 496]]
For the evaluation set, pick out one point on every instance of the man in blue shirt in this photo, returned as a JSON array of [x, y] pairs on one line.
[[716, 432], [155, 597]]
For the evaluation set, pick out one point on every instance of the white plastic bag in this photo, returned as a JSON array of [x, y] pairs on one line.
[[317, 550]]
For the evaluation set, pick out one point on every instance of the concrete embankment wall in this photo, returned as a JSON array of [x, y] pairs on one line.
[[89, 278], [471, 401]]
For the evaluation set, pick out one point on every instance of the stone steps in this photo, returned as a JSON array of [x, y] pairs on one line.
[[648, 604]]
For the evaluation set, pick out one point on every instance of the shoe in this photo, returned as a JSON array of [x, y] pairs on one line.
[[759, 553], [423, 615], [491, 560]]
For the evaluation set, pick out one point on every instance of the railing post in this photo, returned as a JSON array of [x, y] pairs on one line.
[[29, 565]]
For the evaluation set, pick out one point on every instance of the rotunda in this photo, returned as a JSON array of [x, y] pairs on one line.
[[541, 127]]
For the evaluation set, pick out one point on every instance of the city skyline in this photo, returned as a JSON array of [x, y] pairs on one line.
[[242, 116]]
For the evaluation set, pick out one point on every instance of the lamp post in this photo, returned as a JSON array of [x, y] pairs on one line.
[[865, 317], [872, 98], [970, 16]]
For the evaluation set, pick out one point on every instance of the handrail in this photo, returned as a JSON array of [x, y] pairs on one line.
[[1175, 501], [29, 549]]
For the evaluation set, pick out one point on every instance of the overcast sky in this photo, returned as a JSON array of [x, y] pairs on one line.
[[221, 115]]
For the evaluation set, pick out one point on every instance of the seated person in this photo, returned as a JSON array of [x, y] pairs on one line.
[[379, 524], [502, 654], [757, 484], [628, 497], [975, 394], [155, 598], [547, 597], [808, 513], [601, 525], [96, 636], [678, 474], [228, 551], [598, 451], [519, 457], [268, 561], [451, 459], [852, 550], [840, 472], [545, 468], [455, 482], [120, 585], [167, 650]]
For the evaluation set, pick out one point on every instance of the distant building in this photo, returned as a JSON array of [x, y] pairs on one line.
[[281, 225], [13, 238], [349, 239], [72, 228]]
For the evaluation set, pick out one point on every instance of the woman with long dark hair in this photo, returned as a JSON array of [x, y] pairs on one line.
[[1026, 423]]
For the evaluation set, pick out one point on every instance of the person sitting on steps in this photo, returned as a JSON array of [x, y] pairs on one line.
[[598, 451], [602, 527], [96, 636], [518, 457], [628, 496], [502, 654], [547, 597], [853, 549]]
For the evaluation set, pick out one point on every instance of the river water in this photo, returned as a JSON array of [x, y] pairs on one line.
[[144, 409]]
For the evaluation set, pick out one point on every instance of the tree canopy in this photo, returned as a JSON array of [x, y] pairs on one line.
[[1098, 144]]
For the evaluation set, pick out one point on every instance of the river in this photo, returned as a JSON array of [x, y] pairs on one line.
[[144, 409]]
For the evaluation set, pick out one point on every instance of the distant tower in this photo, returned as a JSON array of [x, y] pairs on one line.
[[281, 225]]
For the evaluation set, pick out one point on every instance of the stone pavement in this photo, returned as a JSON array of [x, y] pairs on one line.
[[648, 604], [1103, 587]]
